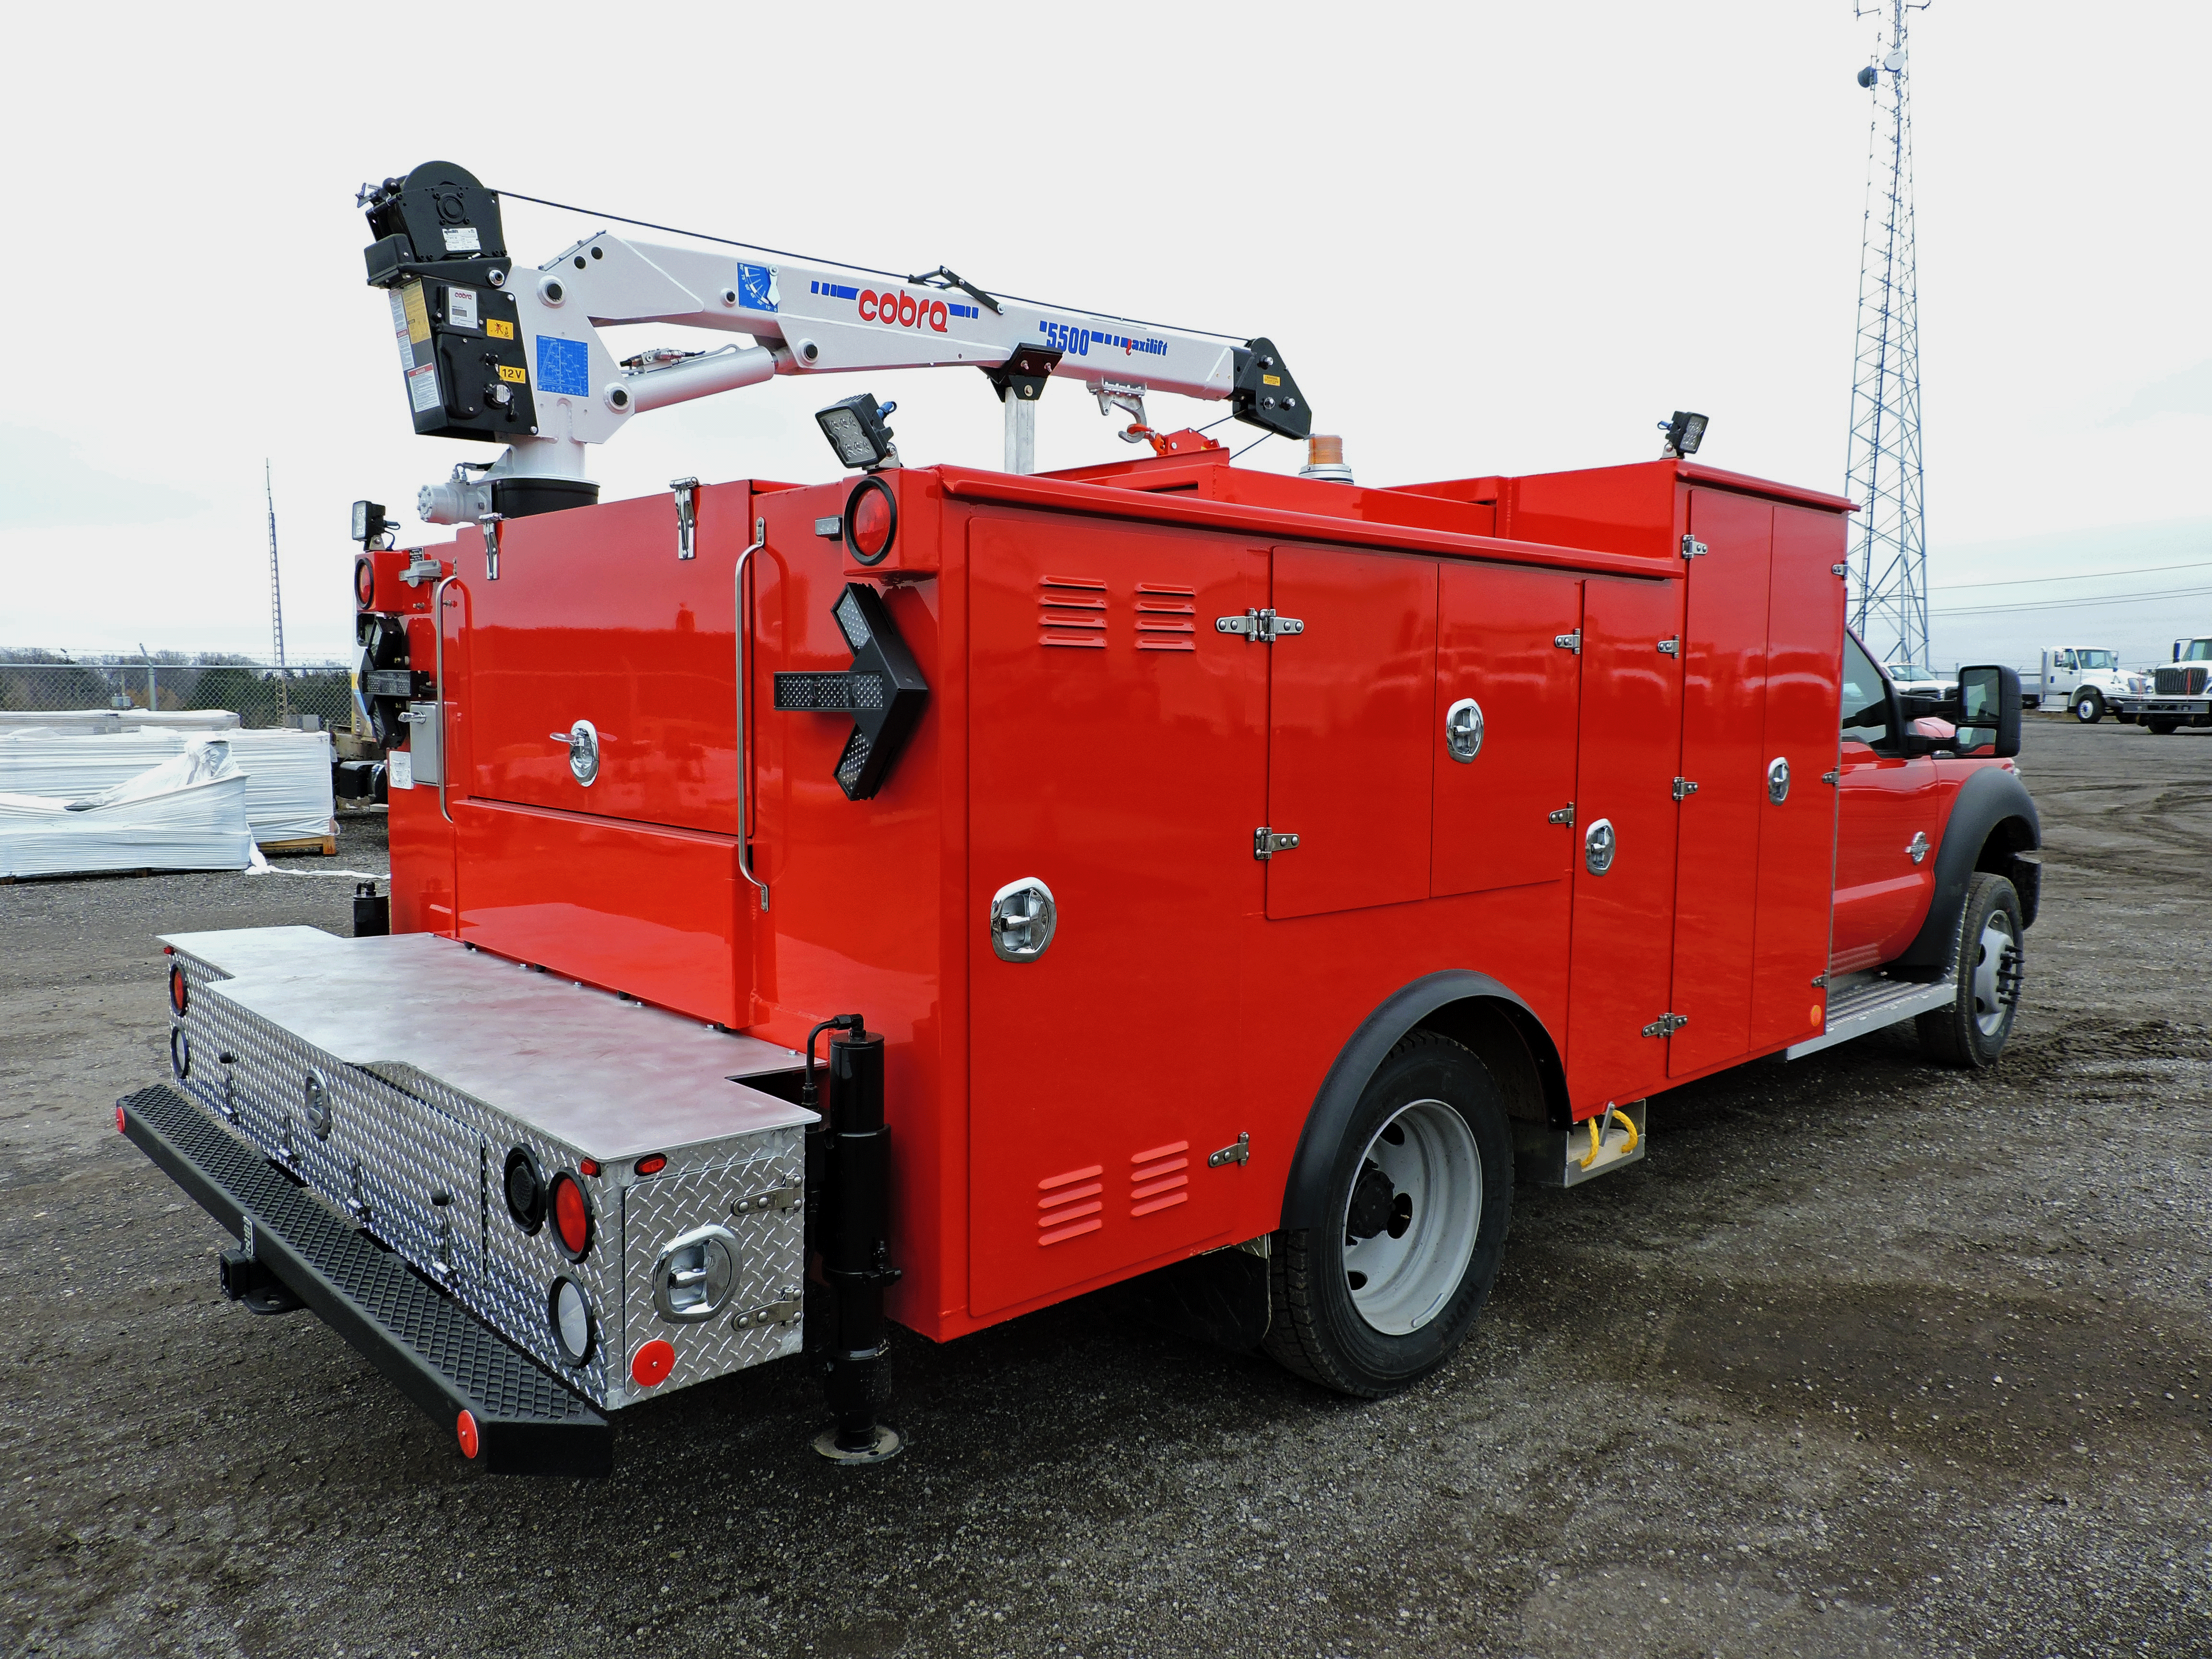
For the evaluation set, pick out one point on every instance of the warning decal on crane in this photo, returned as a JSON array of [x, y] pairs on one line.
[[756, 288]]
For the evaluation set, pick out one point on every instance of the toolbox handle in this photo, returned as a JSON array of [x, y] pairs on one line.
[[745, 754]]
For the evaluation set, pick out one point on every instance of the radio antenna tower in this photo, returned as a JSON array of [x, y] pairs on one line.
[[275, 599], [1889, 567]]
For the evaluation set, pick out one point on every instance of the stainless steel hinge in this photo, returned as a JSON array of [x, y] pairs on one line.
[[1666, 1025], [1839, 569], [687, 517], [1670, 648], [1240, 1153], [1266, 842], [787, 1197], [1561, 814], [1264, 626], [1831, 777], [776, 1313], [1819, 981], [1570, 641], [1693, 548], [1684, 789]]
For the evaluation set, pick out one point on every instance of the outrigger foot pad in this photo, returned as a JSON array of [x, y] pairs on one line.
[[884, 1444]]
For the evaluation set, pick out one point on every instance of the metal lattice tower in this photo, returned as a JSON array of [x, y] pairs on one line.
[[1889, 562], [276, 598]]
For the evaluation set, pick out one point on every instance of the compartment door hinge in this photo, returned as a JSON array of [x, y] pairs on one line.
[[687, 516], [1561, 814], [1684, 789], [1831, 777], [1670, 648], [1666, 1025], [1266, 842], [1693, 548], [1264, 627], [1570, 641]]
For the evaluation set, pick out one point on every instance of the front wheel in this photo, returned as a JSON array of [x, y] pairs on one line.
[[2088, 707], [2162, 728], [1420, 1191], [1971, 1030]]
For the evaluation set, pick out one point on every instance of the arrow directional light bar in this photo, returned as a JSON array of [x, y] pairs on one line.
[[882, 691]]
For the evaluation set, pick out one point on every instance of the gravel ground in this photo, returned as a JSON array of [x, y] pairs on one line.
[[1865, 1359]]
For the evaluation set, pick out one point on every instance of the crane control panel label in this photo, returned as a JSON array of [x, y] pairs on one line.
[[499, 328], [461, 307], [422, 388], [564, 366]]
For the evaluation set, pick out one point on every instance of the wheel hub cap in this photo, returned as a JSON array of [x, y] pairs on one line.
[[1411, 1219]]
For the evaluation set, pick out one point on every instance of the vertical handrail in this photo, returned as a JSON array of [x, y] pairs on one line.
[[745, 755], [445, 749]]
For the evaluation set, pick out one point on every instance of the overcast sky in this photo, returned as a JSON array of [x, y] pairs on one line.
[[1487, 239]]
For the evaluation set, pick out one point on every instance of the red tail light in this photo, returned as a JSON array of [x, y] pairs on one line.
[[653, 1165], [179, 994], [572, 1215], [870, 520]]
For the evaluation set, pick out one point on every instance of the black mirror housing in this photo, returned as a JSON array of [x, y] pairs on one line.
[[1988, 700]]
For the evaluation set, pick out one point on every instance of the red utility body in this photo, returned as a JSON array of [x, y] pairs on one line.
[[1087, 724]]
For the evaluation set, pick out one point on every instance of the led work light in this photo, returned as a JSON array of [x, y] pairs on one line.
[[1684, 434], [855, 427], [369, 522]]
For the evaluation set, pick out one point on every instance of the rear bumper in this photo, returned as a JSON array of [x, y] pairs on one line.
[[443, 1357]]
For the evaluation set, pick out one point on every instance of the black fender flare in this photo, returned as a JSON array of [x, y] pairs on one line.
[[1305, 1193], [1985, 799]]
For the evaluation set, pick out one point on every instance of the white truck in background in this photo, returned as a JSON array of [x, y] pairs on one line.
[[2175, 694], [2090, 683]]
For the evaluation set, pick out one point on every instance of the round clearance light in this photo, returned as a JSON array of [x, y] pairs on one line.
[[572, 1215], [179, 993], [525, 1190], [364, 583], [871, 521], [650, 1365], [574, 1331]]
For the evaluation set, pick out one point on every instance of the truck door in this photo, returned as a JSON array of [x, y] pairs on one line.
[[1503, 767], [1620, 973], [1116, 754], [1797, 834], [1886, 801], [1349, 733], [1723, 649]]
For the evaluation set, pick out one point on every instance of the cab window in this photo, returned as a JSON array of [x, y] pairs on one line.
[[1865, 697], [2098, 659], [2199, 651]]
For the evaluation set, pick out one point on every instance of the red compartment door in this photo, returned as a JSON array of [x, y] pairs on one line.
[[1116, 754], [1619, 975], [1724, 753], [1351, 703], [1497, 644]]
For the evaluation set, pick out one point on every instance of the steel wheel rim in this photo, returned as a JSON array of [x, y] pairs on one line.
[[1989, 1009], [1400, 1283]]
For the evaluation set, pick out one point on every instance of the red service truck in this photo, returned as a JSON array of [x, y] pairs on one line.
[[1226, 883]]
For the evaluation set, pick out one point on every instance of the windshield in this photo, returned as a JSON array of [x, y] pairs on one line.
[[2097, 659], [1906, 670], [2199, 651]]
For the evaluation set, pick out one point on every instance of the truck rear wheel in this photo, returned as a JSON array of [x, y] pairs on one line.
[[2088, 707], [1972, 1032], [1420, 1190]]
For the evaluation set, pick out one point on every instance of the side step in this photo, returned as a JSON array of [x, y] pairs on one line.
[[1872, 1005], [508, 1412]]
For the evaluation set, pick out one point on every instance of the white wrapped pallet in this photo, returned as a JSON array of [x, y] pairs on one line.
[[287, 783], [187, 813], [288, 772], [121, 720]]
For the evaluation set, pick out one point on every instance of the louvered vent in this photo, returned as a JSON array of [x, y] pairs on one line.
[[1071, 612], [1071, 1204], [1159, 1179], [1167, 618]]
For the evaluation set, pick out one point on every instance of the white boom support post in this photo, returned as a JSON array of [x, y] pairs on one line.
[[803, 320]]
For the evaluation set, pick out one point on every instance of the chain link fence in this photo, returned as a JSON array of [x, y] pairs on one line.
[[318, 693]]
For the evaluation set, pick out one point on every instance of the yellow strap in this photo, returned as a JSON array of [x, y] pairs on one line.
[[1590, 1157], [1628, 1123]]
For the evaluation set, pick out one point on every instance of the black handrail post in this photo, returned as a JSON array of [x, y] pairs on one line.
[[856, 1252]]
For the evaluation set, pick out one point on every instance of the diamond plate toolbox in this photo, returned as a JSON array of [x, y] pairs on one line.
[[404, 1081]]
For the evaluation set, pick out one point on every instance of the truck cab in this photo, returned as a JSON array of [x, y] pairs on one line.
[[2090, 683], [2178, 694]]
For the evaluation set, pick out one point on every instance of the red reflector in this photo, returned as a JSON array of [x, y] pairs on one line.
[[119, 1129], [178, 993], [572, 1217], [464, 1429], [650, 1365], [590, 1166], [652, 1165]]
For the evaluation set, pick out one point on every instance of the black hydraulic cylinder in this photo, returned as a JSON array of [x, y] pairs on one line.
[[855, 1239]]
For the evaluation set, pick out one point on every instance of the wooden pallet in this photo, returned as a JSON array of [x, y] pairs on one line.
[[326, 845]]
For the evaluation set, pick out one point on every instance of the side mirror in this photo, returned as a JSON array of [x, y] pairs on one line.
[[1988, 700]]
